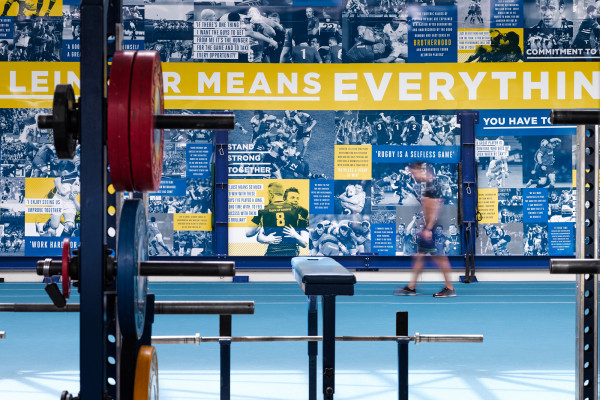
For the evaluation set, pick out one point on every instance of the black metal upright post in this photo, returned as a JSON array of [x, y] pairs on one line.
[[402, 330], [225, 346], [587, 247], [328, 346], [313, 347], [468, 192], [93, 329]]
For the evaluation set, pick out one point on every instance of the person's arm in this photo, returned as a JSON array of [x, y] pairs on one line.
[[301, 237], [261, 37], [270, 239]]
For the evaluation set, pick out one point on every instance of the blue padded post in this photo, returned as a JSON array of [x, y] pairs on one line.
[[323, 276]]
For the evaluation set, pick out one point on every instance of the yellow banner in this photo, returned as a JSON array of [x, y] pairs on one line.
[[337, 86]]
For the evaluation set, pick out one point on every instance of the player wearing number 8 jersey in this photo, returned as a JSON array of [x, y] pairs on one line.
[[283, 225]]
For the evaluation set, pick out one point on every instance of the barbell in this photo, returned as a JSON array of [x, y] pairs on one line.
[[134, 121], [416, 338]]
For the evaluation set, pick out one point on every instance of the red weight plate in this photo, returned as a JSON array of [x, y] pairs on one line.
[[66, 258], [146, 142], [118, 120]]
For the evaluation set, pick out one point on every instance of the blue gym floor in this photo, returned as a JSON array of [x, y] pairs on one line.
[[528, 351]]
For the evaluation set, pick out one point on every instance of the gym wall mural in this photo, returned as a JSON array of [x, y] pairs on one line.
[[378, 84]]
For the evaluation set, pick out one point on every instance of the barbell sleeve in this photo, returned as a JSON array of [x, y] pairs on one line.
[[160, 307], [575, 117], [49, 267], [575, 266], [204, 307], [187, 268], [417, 338], [195, 121]]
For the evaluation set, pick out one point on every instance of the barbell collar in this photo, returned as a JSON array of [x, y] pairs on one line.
[[45, 121], [417, 338], [575, 266], [575, 117], [195, 121]]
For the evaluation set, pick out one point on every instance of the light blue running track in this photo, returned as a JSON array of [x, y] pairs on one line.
[[528, 351]]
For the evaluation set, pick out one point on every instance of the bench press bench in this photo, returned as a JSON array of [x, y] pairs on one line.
[[325, 277]]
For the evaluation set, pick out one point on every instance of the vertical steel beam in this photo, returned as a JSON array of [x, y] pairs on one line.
[[402, 330], [221, 189], [93, 324], [467, 196], [313, 348], [587, 247]]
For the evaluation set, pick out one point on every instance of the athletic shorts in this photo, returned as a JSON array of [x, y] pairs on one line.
[[426, 246]]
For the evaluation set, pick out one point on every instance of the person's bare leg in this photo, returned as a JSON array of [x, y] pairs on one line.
[[417, 267], [444, 264]]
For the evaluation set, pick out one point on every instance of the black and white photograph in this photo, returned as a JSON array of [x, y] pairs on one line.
[[169, 30], [292, 144], [473, 14], [358, 8], [192, 243], [394, 184], [12, 236], [232, 3], [160, 234], [410, 222], [381, 39], [188, 135], [71, 22], [352, 197], [382, 215], [500, 239], [499, 161], [199, 196], [174, 160], [535, 240], [37, 39], [510, 205], [7, 46], [13, 197], [548, 29], [547, 161], [339, 235], [561, 205], [167, 204], [133, 23], [586, 33], [268, 34]]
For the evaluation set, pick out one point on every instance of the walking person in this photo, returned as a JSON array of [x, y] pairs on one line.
[[431, 203]]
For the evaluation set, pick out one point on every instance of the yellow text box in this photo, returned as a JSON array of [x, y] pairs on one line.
[[352, 162], [192, 222], [487, 204]]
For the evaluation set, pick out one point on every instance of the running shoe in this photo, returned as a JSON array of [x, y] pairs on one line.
[[445, 292], [405, 291]]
